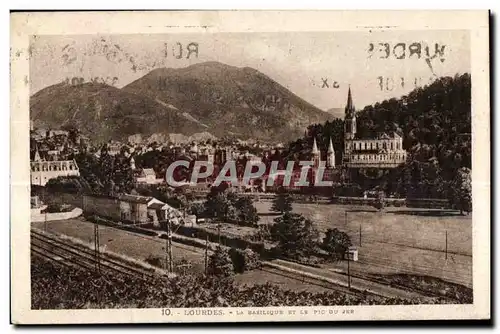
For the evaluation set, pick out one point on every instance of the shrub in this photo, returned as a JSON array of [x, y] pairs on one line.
[[244, 260], [220, 264], [156, 261], [336, 243]]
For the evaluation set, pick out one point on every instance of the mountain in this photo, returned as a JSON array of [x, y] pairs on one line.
[[104, 112], [227, 100], [336, 112]]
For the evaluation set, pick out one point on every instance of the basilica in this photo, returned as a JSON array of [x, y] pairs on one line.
[[384, 151]]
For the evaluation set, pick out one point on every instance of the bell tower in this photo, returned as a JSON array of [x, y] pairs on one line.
[[330, 156], [316, 155], [350, 118]]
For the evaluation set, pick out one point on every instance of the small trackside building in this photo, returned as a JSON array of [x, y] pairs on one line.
[[125, 208]]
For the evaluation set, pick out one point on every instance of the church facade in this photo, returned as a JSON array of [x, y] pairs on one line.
[[379, 153], [384, 151]]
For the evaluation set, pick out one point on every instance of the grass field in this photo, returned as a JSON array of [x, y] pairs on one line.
[[399, 240], [140, 247], [126, 243]]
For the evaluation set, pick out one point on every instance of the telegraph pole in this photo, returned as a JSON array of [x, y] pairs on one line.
[[218, 232], [96, 248], [359, 235], [166, 249], [170, 248], [168, 244], [446, 245], [206, 255], [348, 269]]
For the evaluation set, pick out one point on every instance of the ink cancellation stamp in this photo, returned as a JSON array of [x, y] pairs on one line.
[[249, 166]]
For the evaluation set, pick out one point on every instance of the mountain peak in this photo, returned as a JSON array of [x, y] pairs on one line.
[[209, 96], [231, 100]]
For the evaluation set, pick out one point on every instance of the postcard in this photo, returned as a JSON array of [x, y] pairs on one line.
[[249, 166]]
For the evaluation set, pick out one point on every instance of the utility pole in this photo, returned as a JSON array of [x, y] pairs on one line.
[[96, 248], [168, 244], [166, 249], [218, 232], [206, 255], [171, 261], [446, 245], [45, 222], [348, 269], [359, 235]]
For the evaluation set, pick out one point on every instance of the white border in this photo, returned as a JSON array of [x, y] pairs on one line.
[[135, 22]]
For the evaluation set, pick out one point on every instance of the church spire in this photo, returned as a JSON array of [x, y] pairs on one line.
[[350, 105], [350, 117], [37, 155], [315, 147], [330, 146], [316, 155], [330, 156]]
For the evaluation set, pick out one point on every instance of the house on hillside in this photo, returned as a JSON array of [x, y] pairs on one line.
[[147, 176]]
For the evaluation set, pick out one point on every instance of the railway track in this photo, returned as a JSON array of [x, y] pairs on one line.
[[311, 281], [407, 287], [68, 254]]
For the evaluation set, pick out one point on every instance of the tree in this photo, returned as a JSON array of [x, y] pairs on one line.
[[123, 175], [282, 202], [295, 234], [336, 243], [227, 206], [220, 264], [197, 209], [247, 213], [217, 205], [89, 167], [461, 190], [244, 260]]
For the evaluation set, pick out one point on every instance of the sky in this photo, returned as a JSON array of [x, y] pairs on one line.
[[317, 66]]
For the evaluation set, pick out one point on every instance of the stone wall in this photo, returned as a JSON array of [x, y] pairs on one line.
[[36, 216], [103, 206]]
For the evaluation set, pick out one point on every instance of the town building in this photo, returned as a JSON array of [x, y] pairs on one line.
[[43, 171], [144, 175], [130, 208], [147, 176]]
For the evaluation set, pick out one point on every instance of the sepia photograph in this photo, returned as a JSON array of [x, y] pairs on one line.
[[215, 174]]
